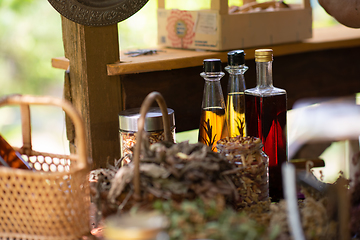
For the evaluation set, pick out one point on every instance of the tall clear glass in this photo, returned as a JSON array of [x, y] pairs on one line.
[[212, 121], [235, 104]]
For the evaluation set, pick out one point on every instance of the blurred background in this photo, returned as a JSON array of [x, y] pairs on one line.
[[30, 35]]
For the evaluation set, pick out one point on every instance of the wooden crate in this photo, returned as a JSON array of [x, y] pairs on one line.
[[215, 29]]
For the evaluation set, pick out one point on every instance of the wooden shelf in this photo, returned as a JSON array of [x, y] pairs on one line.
[[167, 58]]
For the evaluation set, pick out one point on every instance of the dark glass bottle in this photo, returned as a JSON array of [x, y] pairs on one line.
[[235, 104], [10, 158], [212, 122], [265, 117]]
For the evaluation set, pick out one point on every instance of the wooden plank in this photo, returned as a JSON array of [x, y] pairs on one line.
[[323, 38], [95, 95], [330, 38], [167, 59], [60, 62]]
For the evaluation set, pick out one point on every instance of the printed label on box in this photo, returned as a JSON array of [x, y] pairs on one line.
[[180, 25], [206, 23]]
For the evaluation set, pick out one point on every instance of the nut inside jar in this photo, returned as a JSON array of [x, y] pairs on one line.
[[128, 141], [128, 124], [251, 178]]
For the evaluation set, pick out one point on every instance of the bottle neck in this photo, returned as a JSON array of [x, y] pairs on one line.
[[236, 78], [264, 75], [212, 76], [213, 95]]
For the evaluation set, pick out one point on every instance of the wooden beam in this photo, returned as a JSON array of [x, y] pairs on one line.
[[97, 96]]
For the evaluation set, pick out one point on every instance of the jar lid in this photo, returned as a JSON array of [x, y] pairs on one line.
[[128, 119]]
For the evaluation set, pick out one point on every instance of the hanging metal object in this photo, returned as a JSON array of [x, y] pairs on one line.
[[97, 13]]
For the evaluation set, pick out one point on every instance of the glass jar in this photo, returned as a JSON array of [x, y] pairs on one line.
[[251, 180], [154, 128]]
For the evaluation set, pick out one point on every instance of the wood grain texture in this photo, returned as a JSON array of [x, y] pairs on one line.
[[97, 96]]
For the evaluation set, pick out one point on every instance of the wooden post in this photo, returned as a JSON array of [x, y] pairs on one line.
[[161, 3], [97, 96], [221, 5], [307, 4], [352, 151]]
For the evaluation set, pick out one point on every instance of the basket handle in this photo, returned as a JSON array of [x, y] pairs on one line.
[[26, 100], [145, 106]]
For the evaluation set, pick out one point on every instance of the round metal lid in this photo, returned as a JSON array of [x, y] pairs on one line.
[[263, 55], [128, 119], [97, 13]]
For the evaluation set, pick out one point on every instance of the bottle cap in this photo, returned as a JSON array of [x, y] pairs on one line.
[[236, 57], [263, 55], [212, 65]]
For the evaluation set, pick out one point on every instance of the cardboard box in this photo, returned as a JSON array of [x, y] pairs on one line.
[[215, 29]]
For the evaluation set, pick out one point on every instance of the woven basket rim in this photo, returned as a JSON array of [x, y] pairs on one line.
[[24, 172]]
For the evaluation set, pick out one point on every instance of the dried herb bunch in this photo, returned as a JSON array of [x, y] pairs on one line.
[[211, 219], [192, 186], [175, 171], [251, 177]]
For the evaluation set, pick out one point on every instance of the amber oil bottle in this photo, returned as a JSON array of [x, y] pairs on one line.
[[212, 121], [10, 158]]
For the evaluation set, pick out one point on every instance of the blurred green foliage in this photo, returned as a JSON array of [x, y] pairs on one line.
[[30, 34]]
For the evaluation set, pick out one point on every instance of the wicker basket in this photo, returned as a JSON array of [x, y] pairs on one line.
[[53, 201]]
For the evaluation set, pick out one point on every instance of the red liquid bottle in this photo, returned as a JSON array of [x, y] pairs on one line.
[[265, 117], [10, 158]]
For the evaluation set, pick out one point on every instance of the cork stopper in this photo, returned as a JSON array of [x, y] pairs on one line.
[[263, 55]]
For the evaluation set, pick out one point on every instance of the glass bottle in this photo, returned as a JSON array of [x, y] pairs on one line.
[[212, 121], [10, 158], [265, 117], [235, 104]]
